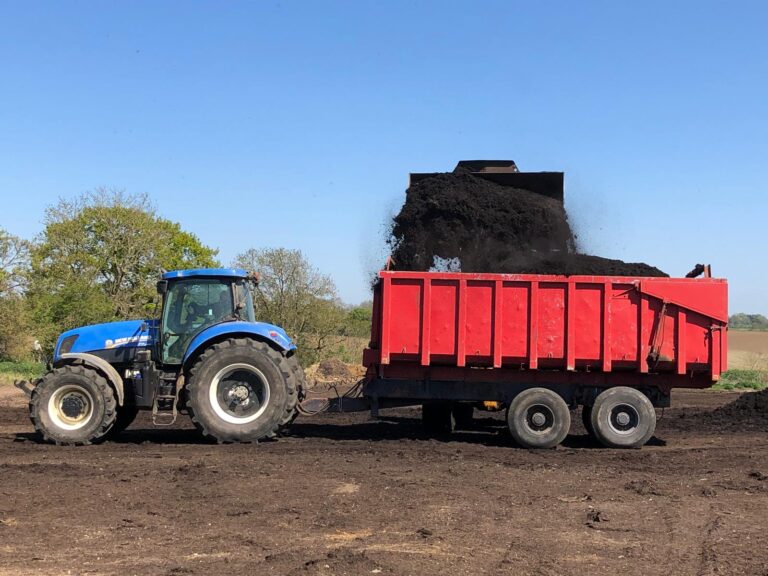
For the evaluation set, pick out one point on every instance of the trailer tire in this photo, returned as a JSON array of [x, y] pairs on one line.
[[586, 419], [538, 418], [73, 405], [438, 418], [623, 417], [241, 390]]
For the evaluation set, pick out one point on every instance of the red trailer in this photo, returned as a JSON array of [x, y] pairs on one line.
[[540, 345]]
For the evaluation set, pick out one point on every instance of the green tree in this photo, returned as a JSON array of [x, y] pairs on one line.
[[16, 334], [743, 321], [297, 297], [14, 263], [358, 320], [15, 330], [99, 257]]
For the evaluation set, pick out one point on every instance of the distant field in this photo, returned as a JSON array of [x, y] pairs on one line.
[[748, 341], [747, 350]]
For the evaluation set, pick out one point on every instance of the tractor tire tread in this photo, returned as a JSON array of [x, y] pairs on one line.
[[292, 409], [108, 395], [276, 357]]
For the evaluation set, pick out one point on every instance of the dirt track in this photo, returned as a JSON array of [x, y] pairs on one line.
[[349, 496]]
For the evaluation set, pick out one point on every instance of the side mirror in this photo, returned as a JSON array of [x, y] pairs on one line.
[[162, 286]]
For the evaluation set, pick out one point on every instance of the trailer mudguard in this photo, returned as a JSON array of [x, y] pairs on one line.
[[261, 330], [99, 364]]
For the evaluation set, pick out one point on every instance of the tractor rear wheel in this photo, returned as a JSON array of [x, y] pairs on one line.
[[73, 405], [623, 417], [241, 390], [538, 418], [292, 410]]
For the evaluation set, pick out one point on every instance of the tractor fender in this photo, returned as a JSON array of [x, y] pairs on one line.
[[261, 330], [99, 364]]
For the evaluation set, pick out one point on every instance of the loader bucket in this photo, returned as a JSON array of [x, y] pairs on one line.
[[505, 173]]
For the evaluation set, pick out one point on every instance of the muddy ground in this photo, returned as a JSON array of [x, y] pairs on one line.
[[346, 495]]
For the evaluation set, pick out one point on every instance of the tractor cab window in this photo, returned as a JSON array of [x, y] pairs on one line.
[[191, 306]]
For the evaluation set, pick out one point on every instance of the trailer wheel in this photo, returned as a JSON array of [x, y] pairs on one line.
[[240, 390], [73, 405], [538, 418], [586, 419], [623, 418], [438, 418]]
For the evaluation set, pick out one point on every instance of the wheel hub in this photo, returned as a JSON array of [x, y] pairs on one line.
[[73, 406], [540, 418], [624, 418], [239, 393]]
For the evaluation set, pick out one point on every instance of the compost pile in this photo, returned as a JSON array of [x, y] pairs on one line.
[[331, 374], [458, 221], [750, 406], [749, 411]]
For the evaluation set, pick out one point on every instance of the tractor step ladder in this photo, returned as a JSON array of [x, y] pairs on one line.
[[165, 416]]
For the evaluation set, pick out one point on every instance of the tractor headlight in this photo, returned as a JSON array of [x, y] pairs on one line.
[[67, 343]]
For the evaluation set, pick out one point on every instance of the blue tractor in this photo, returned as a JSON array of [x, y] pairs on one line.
[[206, 355]]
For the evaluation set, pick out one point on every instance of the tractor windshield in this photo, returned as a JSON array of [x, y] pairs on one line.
[[191, 306]]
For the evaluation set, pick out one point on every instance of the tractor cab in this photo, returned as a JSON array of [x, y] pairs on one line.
[[194, 300]]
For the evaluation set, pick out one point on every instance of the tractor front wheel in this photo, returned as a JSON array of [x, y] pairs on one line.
[[73, 405], [241, 390]]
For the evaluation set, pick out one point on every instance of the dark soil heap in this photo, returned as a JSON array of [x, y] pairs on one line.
[[748, 406], [492, 228], [749, 411]]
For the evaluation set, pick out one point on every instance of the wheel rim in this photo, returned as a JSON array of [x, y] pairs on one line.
[[539, 418], [624, 419], [71, 407], [239, 393]]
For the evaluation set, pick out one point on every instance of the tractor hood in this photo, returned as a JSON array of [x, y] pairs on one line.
[[112, 338]]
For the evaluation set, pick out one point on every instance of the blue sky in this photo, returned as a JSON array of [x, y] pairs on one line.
[[296, 124]]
